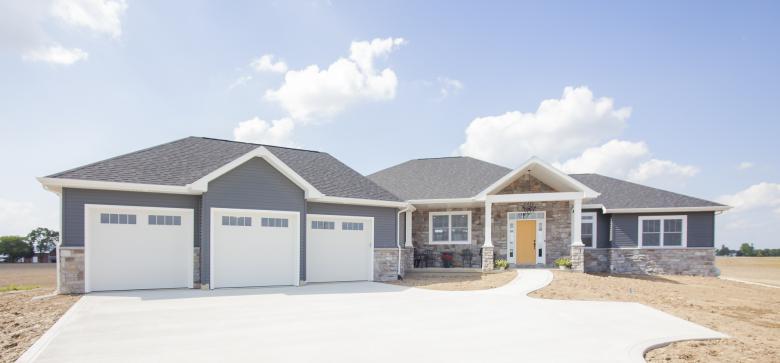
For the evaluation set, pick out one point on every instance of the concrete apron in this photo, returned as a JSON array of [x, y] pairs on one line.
[[356, 322]]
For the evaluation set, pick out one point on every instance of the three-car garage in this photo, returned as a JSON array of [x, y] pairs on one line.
[[128, 247]]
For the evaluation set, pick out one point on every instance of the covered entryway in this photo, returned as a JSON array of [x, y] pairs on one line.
[[339, 248], [129, 248], [254, 247]]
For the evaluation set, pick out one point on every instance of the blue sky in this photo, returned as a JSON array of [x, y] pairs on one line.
[[676, 95]]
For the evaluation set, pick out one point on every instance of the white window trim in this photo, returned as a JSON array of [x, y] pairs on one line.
[[449, 240], [594, 222], [684, 237]]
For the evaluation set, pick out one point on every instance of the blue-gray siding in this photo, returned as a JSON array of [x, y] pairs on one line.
[[701, 229], [402, 228], [385, 226], [73, 201], [253, 185]]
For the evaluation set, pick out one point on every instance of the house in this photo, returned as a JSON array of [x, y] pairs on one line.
[[210, 213]]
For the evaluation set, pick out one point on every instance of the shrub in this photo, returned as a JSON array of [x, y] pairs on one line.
[[563, 261], [501, 264]]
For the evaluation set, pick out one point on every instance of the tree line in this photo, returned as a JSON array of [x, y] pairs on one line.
[[39, 240], [747, 249]]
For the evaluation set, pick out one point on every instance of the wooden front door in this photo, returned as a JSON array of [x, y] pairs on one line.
[[525, 240]]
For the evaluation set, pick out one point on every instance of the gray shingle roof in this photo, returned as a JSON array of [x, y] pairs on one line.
[[619, 194], [184, 161], [451, 177], [465, 177]]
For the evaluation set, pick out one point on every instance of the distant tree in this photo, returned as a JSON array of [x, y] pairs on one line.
[[747, 249], [723, 251], [15, 247], [43, 240]]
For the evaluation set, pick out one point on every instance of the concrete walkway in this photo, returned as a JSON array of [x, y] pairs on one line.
[[360, 321]]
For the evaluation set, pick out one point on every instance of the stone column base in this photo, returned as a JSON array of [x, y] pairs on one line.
[[578, 258], [386, 264], [71, 270], [487, 259]]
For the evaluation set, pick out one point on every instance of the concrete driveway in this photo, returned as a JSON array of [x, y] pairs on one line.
[[361, 321]]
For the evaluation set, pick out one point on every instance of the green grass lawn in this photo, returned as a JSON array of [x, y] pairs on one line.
[[13, 287]]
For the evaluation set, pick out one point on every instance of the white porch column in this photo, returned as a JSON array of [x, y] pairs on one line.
[[488, 224], [408, 229], [576, 223]]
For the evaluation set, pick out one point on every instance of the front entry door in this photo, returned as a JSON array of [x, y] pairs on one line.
[[525, 240]]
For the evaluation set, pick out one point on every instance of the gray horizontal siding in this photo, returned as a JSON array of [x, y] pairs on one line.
[[252, 185], [701, 229], [385, 226], [73, 201]]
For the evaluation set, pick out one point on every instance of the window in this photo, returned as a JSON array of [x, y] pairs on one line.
[[274, 222], [588, 231], [450, 227], [323, 225], [236, 221], [351, 226], [155, 220], [662, 231], [111, 218]]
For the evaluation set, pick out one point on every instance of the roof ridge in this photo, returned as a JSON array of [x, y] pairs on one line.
[[258, 144], [55, 175]]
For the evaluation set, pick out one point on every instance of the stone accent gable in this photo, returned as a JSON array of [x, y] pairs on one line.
[[526, 183]]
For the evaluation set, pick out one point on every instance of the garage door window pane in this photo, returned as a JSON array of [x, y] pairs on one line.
[[177, 220], [114, 218], [323, 225], [104, 218], [123, 219], [351, 226]]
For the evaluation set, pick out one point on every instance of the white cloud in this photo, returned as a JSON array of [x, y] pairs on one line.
[[275, 132], [449, 86], [19, 218], [559, 128], [25, 26], [754, 217], [101, 16], [240, 81], [55, 54], [745, 165], [311, 92], [662, 173], [761, 195], [266, 64], [615, 158]]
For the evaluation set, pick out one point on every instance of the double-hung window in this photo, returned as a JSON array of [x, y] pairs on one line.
[[450, 227], [588, 231], [662, 231]]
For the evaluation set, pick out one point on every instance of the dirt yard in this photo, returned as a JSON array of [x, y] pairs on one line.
[[748, 313], [22, 318], [456, 281], [765, 270]]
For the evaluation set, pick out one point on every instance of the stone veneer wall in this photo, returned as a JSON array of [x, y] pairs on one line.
[[196, 268], [420, 237], [596, 260], [671, 261], [71, 270], [386, 263]]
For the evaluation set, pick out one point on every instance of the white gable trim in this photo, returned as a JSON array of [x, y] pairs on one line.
[[309, 190], [507, 179]]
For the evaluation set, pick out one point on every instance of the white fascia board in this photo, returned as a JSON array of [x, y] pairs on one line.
[[534, 197], [667, 210], [359, 201], [260, 152], [595, 206], [506, 179], [443, 201], [55, 185]]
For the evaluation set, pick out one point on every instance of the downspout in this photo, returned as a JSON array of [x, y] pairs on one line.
[[398, 237]]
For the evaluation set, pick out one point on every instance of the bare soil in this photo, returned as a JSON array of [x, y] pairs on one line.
[[764, 270], [458, 281], [750, 314], [24, 319]]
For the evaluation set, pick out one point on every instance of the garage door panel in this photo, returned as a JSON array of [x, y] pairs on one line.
[[137, 255], [251, 251], [339, 248]]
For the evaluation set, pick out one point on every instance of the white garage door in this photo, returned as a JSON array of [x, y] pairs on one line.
[[129, 248], [254, 248], [339, 248]]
